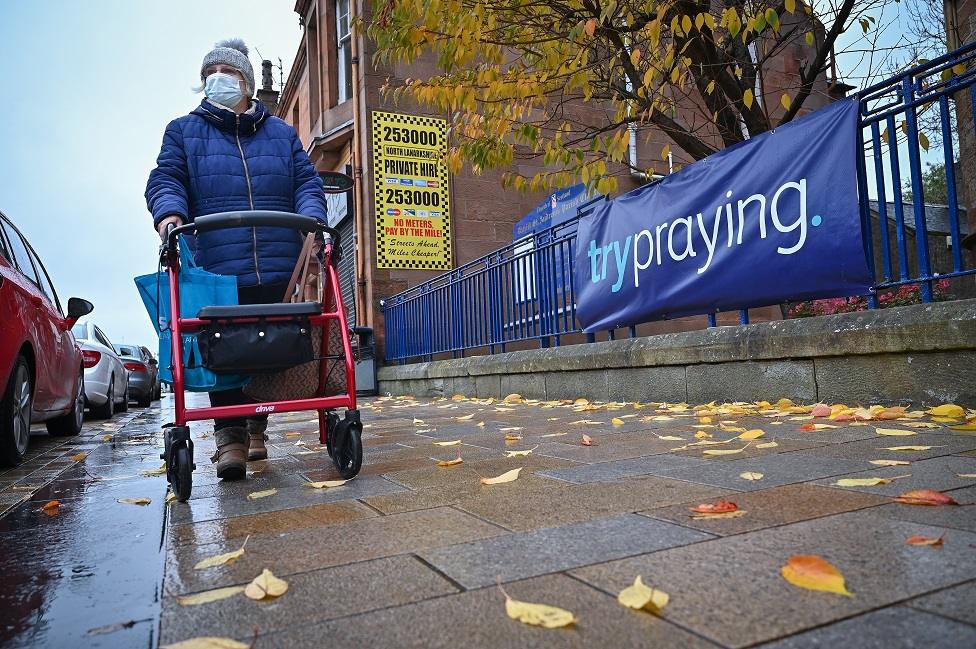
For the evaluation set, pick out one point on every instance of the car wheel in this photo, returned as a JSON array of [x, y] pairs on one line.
[[70, 424], [15, 414], [124, 406], [106, 410], [146, 401]]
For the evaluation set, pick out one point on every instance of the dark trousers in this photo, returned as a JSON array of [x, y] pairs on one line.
[[260, 294]]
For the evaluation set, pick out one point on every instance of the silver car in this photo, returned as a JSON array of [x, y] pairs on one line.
[[106, 379], [142, 374]]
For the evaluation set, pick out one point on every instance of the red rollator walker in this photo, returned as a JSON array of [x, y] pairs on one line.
[[342, 437]]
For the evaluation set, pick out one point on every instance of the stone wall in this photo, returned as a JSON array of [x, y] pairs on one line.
[[923, 354]]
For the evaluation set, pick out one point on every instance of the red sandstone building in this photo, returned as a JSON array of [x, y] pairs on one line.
[[332, 95]]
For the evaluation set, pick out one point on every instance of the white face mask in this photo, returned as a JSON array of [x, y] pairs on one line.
[[224, 89]]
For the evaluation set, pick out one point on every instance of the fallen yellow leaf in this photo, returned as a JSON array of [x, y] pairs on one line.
[[134, 501], [466, 417], [254, 495], [458, 397], [78, 457], [617, 421], [513, 398], [895, 432], [451, 443], [549, 617], [703, 435], [508, 476], [866, 482], [293, 434], [907, 448], [107, 438], [767, 445], [153, 472], [512, 438], [970, 425], [920, 424], [640, 597], [671, 438], [221, 559], [947, 410], [170, 497], [520, 453], [51, 506], [554, 435], [724, 451], [923, 540], [207, 642], [418, 422], [751, 475], [966, 475], [889, 462], [814, 573], [209, 596], [733, 429], [752, 434], [266, 585], [453, 462], [326, 484]]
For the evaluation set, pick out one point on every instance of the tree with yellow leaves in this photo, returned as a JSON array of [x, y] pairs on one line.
[[569, 81]]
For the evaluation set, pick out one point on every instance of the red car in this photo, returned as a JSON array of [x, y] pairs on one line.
[[41, 367]]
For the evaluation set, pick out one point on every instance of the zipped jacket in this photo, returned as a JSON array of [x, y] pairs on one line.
[[214, 160]]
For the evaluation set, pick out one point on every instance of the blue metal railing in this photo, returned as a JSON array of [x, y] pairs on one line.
[[524, 291]]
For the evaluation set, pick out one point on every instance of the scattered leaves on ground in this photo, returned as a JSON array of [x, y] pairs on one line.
[[736, 514], [521, 453], [752, 434], [209, 596], [266, 585], [78, 457], [586, 440], [947, 410], [724, 451], [889, 462], [326, 484], [549, 617], [466, 417], [820, 410], [221, 559], [918, 539], [641, 597], [508, 476], [721, 506], [208, 642], [894, 432], [170, 497], [254, 495], [107, 438], [810, 427], [154, 472], [814, 573], [907, 448], [554, 435], [51, 507], [929, 497], [751, 475], [134, 501], [969, 425], [453, 462], [453, 442], [866, 482], [767, 445], [966, 475]]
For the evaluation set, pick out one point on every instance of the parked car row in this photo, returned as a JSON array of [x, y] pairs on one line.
[[51, 365]]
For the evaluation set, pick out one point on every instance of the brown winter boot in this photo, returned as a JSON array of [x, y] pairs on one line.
[[231, 455], [256, 449]]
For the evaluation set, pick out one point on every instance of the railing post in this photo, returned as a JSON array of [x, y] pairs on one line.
[[918, 197], [865, 207], [542, 281]]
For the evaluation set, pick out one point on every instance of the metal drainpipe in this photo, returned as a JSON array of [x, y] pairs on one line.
[[632, 150], [362, 311]]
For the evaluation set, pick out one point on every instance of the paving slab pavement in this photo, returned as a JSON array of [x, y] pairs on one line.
[[410, 554]]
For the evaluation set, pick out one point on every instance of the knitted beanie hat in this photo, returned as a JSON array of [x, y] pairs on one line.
[[232, 52]]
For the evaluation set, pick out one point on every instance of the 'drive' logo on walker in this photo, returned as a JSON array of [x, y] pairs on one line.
[[261, 409]]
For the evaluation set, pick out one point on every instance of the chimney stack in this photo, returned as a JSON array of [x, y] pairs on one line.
[[267, 95]]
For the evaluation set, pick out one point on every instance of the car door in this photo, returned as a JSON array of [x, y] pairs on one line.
[[64, 369], [122, 376], [30, 303]]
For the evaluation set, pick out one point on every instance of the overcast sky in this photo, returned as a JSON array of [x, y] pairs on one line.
[[87, 89]]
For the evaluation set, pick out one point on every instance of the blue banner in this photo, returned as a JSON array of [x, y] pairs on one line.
[[559, 207], [770, 220]]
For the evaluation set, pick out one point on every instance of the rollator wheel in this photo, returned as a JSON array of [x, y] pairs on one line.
[[331, 424], [347, 449], [181, 473]]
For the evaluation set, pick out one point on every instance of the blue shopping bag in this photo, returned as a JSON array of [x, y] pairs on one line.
[[198, 288]]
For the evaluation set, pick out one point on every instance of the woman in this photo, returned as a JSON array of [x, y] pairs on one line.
[[230, 154]]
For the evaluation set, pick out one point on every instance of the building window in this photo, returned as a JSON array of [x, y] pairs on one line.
[[344, 51]]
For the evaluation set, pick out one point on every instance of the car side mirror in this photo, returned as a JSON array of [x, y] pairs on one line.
[[77, 308]]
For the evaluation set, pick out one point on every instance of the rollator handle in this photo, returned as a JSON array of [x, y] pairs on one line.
[[256, 218]]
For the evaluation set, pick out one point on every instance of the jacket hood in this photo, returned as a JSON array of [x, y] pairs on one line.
[[227, 120]]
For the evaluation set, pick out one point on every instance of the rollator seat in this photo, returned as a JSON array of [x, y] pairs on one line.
[[273, 310]]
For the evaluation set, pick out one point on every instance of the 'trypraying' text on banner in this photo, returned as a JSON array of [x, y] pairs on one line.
[[773, 219]]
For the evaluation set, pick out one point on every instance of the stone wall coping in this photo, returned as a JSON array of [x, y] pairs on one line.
[[942, 326]]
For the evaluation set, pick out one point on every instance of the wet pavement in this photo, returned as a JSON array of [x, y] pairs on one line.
[[87, 573], [410, 554]]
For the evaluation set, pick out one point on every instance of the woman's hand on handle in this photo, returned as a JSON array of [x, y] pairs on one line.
[[173, 219]]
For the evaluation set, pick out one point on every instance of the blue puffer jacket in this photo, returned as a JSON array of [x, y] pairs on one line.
[[214, 160]]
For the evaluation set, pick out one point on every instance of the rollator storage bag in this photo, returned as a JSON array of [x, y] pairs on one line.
[[255, 348]]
